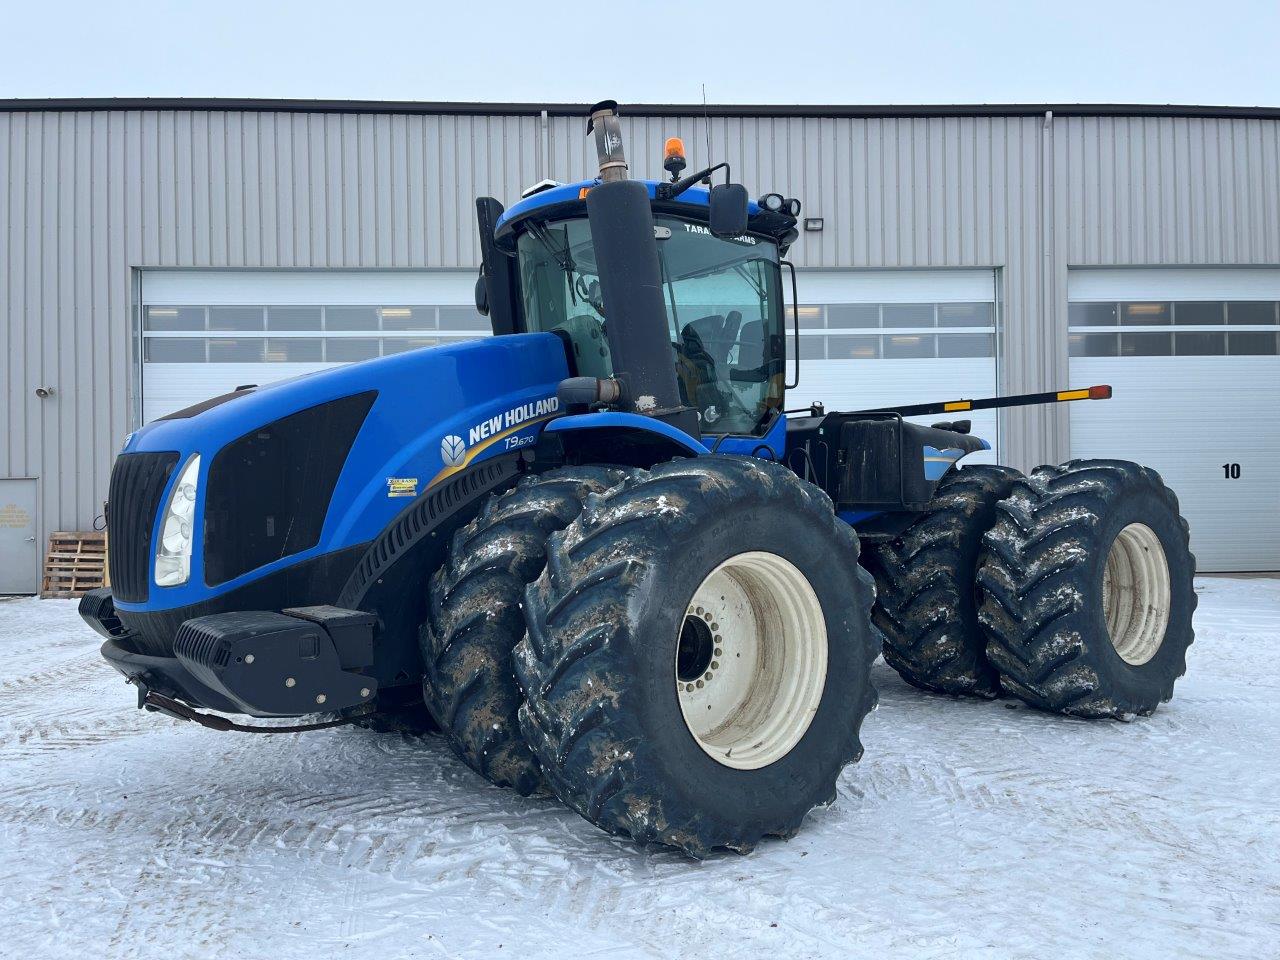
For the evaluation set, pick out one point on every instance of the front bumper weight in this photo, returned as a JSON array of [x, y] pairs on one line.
[[256, 662], [271, 664]]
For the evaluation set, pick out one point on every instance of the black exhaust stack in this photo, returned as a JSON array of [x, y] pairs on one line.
[[622, 232]]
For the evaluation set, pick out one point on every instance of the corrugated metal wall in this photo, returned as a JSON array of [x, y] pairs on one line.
[[89, 196]]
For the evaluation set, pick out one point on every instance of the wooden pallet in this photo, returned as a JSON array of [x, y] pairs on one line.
[[75, 564]]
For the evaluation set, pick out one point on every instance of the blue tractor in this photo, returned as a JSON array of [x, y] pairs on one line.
[[598, 553]]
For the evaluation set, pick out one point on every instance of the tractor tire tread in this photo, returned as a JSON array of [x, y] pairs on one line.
[[931, 634], [577, 654], [474, 619], [1037, 593]]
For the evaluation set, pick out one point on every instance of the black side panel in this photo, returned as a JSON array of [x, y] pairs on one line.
[[877, 466], [137, 483], [868, 461], [498, 271], [269, 490]]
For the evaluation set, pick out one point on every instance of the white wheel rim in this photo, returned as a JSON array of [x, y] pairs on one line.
[[749, 697], [1136, 594]]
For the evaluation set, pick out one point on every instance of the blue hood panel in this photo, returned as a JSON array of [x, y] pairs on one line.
[[438, 410]]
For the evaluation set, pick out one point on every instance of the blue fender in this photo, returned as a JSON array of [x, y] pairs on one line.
[[672, 441], [624, 422]]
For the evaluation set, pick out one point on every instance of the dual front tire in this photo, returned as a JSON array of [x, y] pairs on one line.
[[692, 663], [697, 663]]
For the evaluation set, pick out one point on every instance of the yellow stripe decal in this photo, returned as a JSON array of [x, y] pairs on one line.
[[956, 405], [1073, 394], [471, 454]]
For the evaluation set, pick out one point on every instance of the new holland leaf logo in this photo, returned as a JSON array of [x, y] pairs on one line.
[[453, 451]]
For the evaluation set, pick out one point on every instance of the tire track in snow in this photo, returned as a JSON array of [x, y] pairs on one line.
[[74, 732], [56, 677]]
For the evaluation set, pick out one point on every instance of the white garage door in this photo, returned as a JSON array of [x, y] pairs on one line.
[[1194, 357], [883, 337], [206, 332]]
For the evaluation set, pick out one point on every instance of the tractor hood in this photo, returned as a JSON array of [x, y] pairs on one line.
[[376, 434]]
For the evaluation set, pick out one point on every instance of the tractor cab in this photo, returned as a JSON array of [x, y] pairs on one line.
[[719, 276], [724, 312]]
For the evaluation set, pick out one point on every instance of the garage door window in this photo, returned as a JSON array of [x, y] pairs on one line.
[[850, 331], [300, 334], [1192, 328]]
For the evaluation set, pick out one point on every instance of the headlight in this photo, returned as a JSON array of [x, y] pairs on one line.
[[173, 551]]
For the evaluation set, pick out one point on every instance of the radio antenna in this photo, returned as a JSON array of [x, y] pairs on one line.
[[706, 127]]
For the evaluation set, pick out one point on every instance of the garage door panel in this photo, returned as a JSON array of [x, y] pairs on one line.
[[205, 332], [1186, 417], [173, 386], [1204, 406], [878, 338]]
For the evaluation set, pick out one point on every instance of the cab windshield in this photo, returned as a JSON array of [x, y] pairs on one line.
[[724, 313]]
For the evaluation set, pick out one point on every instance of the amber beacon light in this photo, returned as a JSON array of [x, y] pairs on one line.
[[673, 157]]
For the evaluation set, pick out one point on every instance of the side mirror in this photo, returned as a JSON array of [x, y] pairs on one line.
[[728, 210], [482, 295]]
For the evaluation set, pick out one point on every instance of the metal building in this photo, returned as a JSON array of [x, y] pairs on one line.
[[156, 252]]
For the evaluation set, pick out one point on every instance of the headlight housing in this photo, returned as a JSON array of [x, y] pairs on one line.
[[173, 548]]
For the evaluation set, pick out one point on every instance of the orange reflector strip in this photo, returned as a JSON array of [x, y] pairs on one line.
[[582, 194], [1073, 394], [956, 405]]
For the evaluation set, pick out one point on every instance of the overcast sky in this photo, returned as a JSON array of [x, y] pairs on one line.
[[1221, 52]]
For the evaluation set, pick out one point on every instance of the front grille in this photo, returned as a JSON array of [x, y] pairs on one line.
[[268, 491], [137, 483]]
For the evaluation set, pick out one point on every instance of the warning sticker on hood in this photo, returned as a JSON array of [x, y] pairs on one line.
[[402, 486]]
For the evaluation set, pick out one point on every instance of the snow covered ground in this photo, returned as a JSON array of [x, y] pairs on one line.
[[968, 830]]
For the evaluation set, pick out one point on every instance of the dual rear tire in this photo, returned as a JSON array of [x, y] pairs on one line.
[[1070, 588], [926, 599], [1087, 586]]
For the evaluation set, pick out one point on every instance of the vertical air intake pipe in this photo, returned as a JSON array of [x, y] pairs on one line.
[[631, 281]]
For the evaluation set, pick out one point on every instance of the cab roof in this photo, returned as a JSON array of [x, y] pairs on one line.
[[569, 200]]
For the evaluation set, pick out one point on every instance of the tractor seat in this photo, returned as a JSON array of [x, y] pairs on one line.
[[716, 333], [751, 345]]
